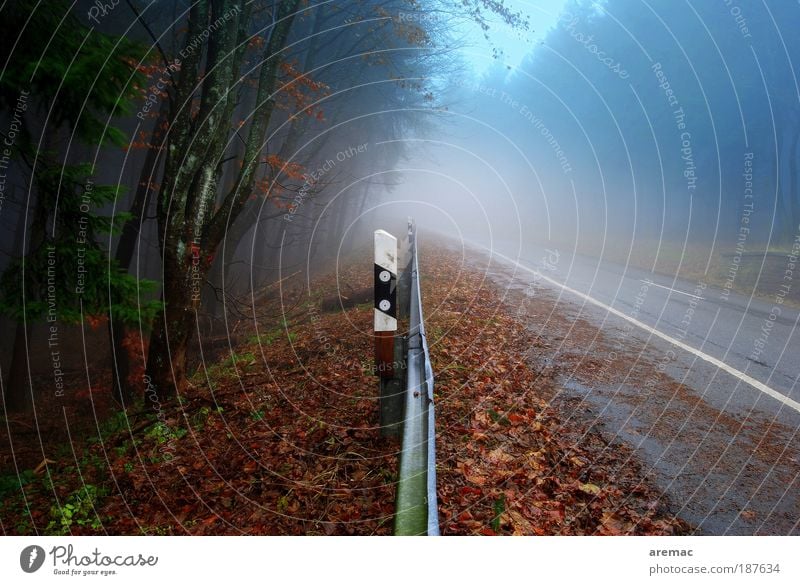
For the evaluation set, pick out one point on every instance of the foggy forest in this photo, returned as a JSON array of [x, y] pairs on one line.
[[600, 309]]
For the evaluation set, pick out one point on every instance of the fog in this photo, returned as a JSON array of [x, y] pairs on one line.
[[656, 135], [607, 196], [630, 129]]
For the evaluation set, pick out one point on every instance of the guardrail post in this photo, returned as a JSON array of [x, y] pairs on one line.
[[389, 347]]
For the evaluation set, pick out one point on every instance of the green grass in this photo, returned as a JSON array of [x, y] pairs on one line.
[[199, 418], [238, 360], [163, 433], [266, 338], [79, 509], [498, 418], [498, 507], [11, 483], [111, 426], [226, 369], [12, 500]]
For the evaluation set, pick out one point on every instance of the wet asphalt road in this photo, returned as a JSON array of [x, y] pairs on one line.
[[726, 452]]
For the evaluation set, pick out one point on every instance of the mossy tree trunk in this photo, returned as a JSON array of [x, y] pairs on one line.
[[192, 218]]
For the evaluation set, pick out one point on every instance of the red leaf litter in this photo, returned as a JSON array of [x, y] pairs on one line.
[[281, 437]]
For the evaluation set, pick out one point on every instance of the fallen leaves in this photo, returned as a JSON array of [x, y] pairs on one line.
[[589, 488], [285, 440], [504, 463]]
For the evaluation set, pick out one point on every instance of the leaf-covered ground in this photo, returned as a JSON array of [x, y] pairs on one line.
[[509, 462], [279, 436]]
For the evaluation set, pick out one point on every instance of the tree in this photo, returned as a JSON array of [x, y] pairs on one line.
[[245, 58], [63, 275], [190, 222]]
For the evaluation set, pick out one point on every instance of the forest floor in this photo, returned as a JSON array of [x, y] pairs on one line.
[[280, 436]]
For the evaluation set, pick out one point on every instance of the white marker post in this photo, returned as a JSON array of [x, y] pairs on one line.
[[385, 319], [389, 347]]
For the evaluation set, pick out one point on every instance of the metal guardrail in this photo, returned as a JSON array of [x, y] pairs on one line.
[[416, 508]]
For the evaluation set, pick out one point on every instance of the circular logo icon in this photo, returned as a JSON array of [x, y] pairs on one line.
[[384, 305], [31, 558], [384, 275]]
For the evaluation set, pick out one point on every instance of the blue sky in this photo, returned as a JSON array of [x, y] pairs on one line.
[[515, 44]]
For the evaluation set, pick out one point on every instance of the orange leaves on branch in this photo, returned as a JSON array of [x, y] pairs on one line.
[[263, 188], [256, 42], [412, 33], [142, 141], [152, 186], [148, 69], [299, 91], [136, 348], [292, 170], [95, 321], [272, 185], [151, 96], [289, 69]]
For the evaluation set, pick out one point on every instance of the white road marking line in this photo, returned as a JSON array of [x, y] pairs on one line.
[[760, 386], [680, 292]]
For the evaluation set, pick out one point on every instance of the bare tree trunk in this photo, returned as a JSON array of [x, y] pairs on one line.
[[190, 228], [120, 361], [17, 393], [172, 331]]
